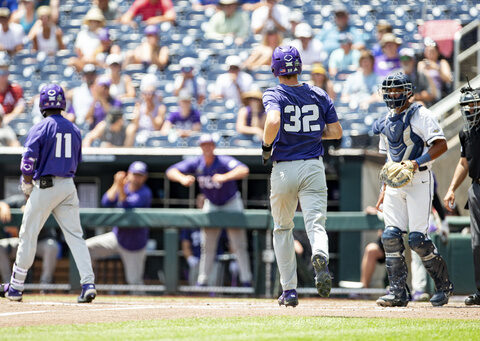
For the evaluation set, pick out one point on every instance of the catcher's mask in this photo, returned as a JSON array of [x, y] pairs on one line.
[[470, 107], [396, 90]]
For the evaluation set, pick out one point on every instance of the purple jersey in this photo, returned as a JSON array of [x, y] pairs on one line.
[[218, 194], [184, 122], [56, 144], [99, 112], [304, 111], [131, 238]]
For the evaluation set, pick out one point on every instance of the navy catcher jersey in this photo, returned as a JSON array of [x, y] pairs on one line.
[[56, 144], [304, 111]]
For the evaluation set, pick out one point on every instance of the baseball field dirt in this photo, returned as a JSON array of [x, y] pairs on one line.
[[63, 309]]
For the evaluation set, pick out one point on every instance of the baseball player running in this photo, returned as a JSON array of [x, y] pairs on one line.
[[216, 175], [299, 117], [50, 159], [409, 132], [469, 164]]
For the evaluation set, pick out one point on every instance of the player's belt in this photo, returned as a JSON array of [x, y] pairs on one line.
[[46, 181], [422, 168], [310, 158]]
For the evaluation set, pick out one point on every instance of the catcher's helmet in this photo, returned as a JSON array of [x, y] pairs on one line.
[[286, 61], [470, 107], [397, 88], [52, 97]]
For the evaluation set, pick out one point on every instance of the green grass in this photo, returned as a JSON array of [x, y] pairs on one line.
[[255, 328]]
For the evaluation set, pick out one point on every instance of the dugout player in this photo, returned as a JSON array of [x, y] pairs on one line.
[[299, 117], [216, 176], [469, 163], [409, 132], [53, 150]]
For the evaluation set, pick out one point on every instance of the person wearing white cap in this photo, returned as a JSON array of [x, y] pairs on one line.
[[189, 81], [345, 57], [11, 34], [121, 86], [270, 16], [229, 20], [295, 17], [149, 111], [231, 85], [81, 97], [310, 49], [262, 53]]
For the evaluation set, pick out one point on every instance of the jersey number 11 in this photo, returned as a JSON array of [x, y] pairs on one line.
[[68, 145]]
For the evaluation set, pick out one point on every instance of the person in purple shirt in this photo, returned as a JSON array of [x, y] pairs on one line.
[[299, 117], [216, 176], [53, 150], [102, 102], [186, 119], [389, 61], [127, 191]]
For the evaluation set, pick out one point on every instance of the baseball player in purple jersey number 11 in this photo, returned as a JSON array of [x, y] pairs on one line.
[[50, 159], [299, 117]]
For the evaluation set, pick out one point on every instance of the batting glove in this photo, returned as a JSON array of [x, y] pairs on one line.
[[27, 188], [266, 152]]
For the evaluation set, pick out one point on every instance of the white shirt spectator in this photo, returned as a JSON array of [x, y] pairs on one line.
[[281, 14], [313, 53], [50, 44], [189, 86], [225, 86], [87, 42], [82, 99], [13, 37]]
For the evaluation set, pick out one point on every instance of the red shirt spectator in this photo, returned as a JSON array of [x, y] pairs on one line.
[[152, 11], [10, 97]]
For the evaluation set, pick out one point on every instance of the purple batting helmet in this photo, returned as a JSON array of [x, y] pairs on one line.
[[52, 97], [286, 61]]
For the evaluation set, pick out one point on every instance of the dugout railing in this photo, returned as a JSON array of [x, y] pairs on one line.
[[259, 221]]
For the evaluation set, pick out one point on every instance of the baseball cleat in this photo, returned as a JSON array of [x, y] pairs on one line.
[[288, 298], [323, 279], [7, 291], [473, 299], [440, 298], [390, 300], [88, 293]]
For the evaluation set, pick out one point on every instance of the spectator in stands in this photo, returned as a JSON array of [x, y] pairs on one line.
[[47, 247], [121, 86], [344, 58], [228, 21], [153, 12], [48, 37], [127, 191], [188, 80], [200, 5], [361, 87], [149, 112], [102, 102], [230, 86], [12, 5], [109, 9], [270, 16], [320, 79], [88, 42], [295, 18], [81, 97], [11, 34], [53, 4], [185, 120], [11, 94], [262, 54], [8, 138], [25, 15], [149, 52], [105, 48], [423, 85], [110, 132], [310, 49], [389, 61], [383, 27], [251, 117], [216, 176], [436, 67], [329, 37]]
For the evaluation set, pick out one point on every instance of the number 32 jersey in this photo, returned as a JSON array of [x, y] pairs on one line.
[[304, 111], [56, 145]]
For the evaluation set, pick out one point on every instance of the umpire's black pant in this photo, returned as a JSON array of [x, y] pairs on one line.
[[474, 207]]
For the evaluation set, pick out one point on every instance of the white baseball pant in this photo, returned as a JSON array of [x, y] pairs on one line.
[[106, 245], [292, 181], [236, 237], [62, 201]]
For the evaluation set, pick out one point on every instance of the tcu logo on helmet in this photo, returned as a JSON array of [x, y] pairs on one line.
[[286, 61]]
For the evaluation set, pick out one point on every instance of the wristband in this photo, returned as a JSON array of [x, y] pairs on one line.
[[266, 147], [423, 159]]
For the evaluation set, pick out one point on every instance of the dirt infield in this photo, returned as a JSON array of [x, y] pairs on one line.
[[52, 309]]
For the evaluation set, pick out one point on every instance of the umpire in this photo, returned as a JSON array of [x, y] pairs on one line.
[[469, 163]]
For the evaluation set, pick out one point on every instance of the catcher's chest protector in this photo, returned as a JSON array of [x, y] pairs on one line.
[[402, 142]]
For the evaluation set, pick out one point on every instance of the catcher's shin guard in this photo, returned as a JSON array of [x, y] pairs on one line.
[[395, 261], [431, 259]]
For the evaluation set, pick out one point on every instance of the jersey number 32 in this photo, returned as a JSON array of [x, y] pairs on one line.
[[299, 123]]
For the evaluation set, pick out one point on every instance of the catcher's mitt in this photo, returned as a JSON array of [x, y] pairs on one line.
[[397, 174]]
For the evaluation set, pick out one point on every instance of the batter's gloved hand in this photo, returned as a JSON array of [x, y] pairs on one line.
[[27, 188], [397, 174], [266, 152]]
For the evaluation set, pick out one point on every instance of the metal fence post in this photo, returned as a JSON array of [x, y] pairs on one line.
[[170, 264]]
